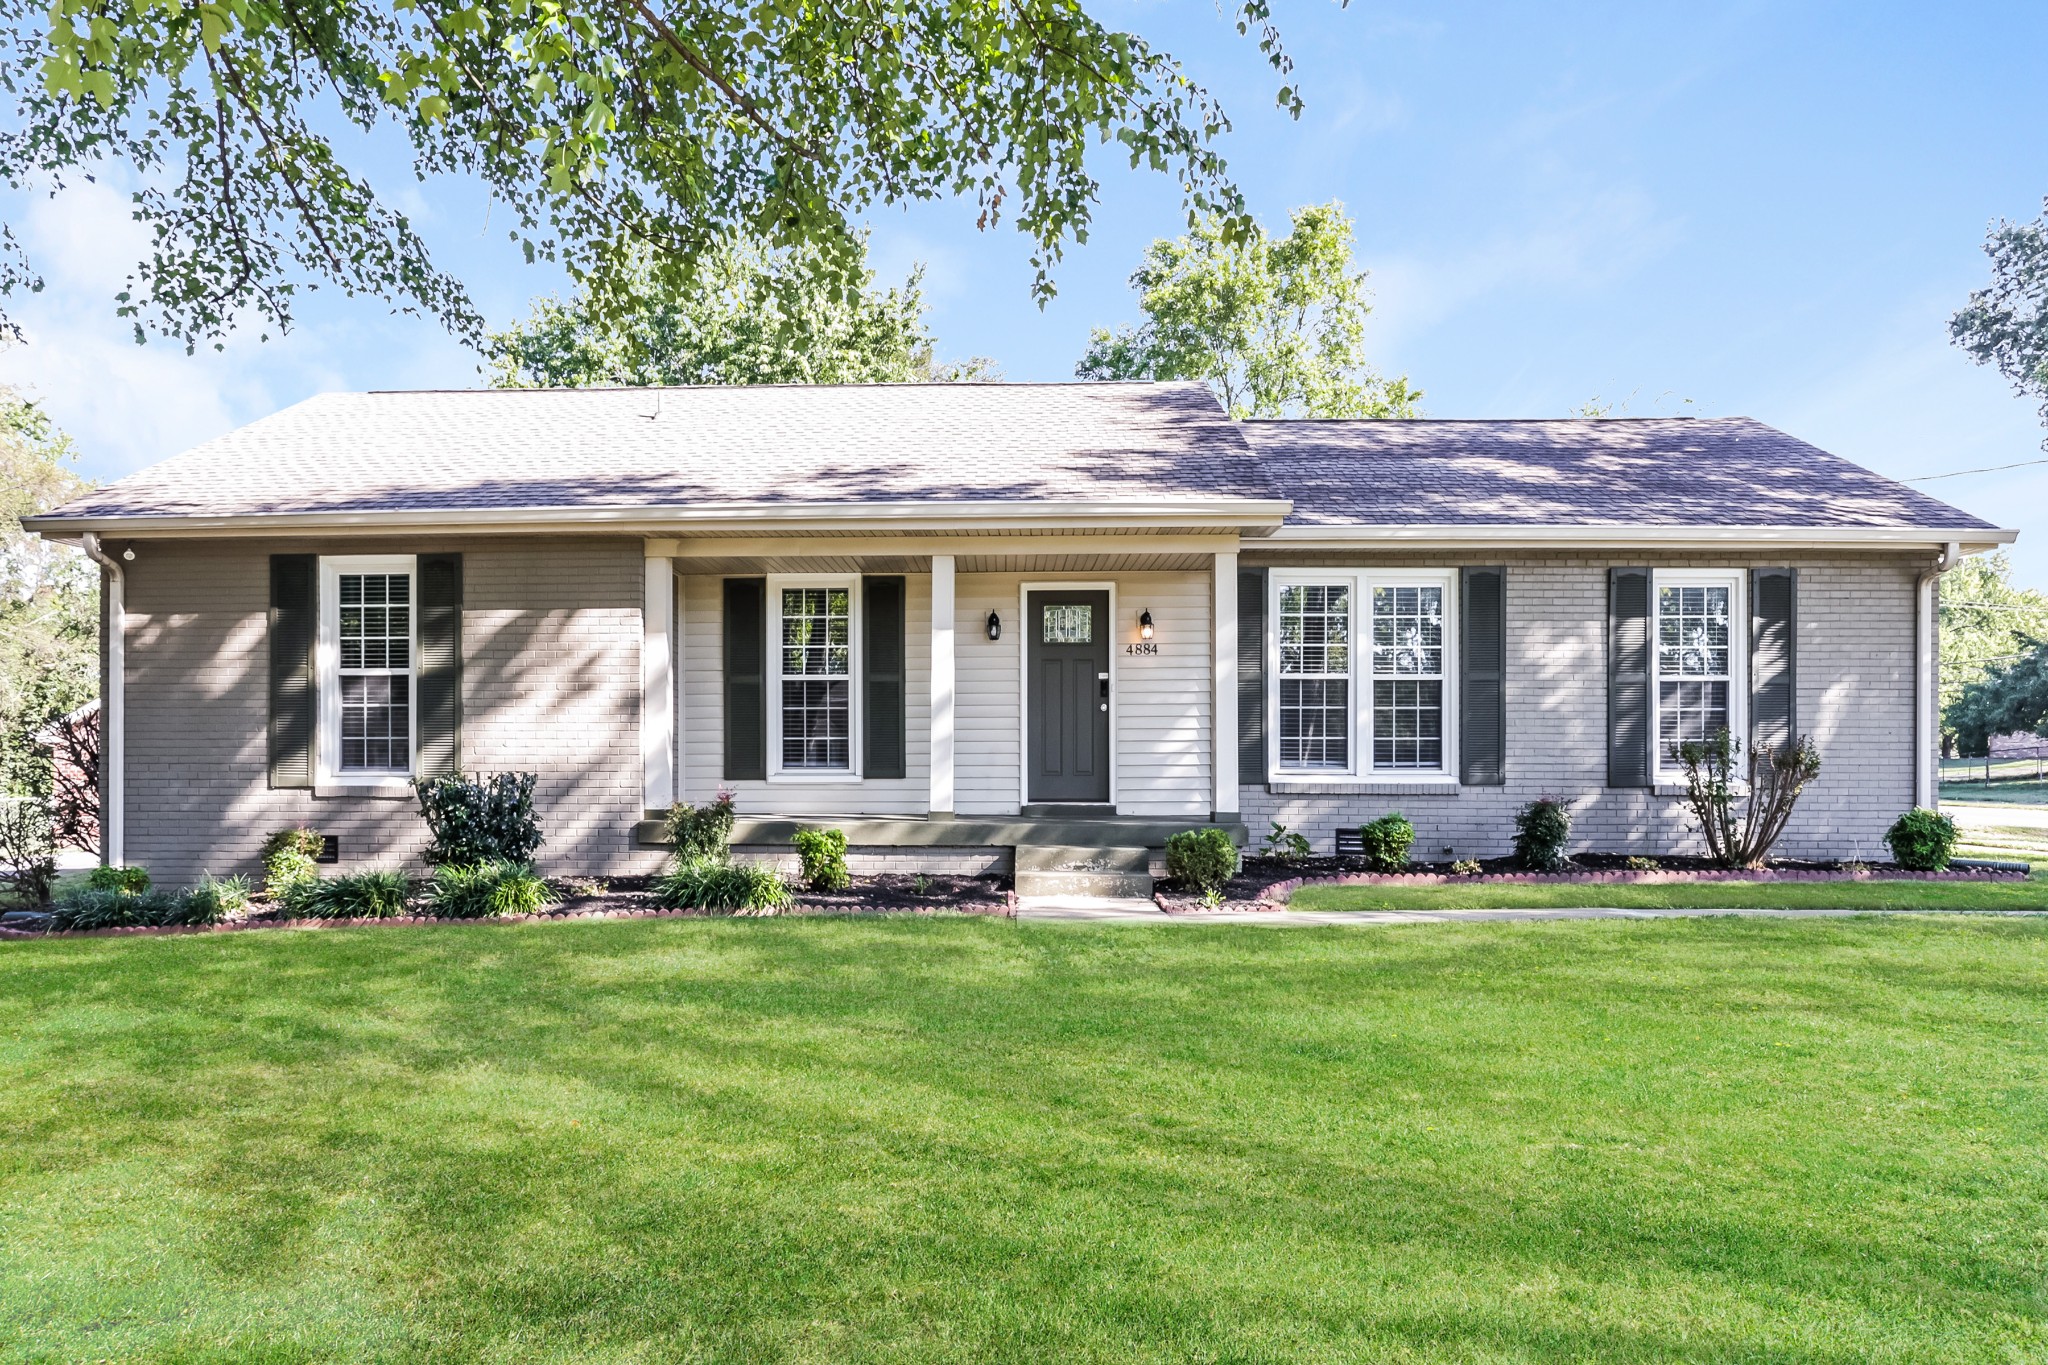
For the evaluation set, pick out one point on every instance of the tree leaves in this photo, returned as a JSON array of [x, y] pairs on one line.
[[2006, 325]]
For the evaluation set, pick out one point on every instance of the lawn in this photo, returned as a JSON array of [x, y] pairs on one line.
[[2031, 894], [839, 1140], [2023, 793]]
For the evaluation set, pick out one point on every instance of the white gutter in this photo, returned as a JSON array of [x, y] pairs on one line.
[[1442, 534], [1927, 681], [113, 711]]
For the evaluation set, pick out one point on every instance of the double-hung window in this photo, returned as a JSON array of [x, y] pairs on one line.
[[1698, 658], [813, 669], [1377, 713], [366, 661]]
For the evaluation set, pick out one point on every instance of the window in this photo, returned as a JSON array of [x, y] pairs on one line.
[[1696, 658], [366, 667], [1401, 699], [815, 668]]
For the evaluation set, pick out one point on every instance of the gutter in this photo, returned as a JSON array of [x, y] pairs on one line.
[[1441, 534], [1927, 680], [113, 709]]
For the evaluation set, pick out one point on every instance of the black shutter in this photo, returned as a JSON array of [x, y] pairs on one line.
[[746, 684], [438, 675], [1773, 657], [882, 680], [1251, 677], [1628, 677], [1482, 678], [294, 702]]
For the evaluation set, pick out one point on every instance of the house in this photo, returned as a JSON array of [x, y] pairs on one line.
[[962, 620]]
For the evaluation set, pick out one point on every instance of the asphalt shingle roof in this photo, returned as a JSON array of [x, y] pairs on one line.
[[1671, 471]]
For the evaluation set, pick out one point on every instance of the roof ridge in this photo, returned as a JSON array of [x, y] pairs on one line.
[[727, 388]]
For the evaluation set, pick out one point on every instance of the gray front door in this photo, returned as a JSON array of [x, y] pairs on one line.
[[1068, 693]]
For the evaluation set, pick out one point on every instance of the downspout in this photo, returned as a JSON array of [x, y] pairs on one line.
[[1927, 683], [113, 711]]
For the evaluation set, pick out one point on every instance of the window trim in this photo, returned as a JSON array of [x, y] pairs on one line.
[[328, 775], [1361, 581], [1664, 770], [771, 639]]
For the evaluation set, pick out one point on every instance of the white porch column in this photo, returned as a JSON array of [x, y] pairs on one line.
[[941, 803], [1223, 708], [658, 679]]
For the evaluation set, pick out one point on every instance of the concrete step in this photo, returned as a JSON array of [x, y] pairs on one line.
[[1060, 870]]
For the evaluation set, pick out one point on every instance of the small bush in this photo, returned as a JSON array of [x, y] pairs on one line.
[[28, 852], [823, 855], [1922, 840], [288, 858], [715, 884], [131, 880], [1543, 830], [700, 831], [99, 907], [1641, 864], [1386, 841], [487, 890], [1740, 832], [354, 895], [216, 899], [479, 818], [1466, 867], [1284, 845], [1201, 860]]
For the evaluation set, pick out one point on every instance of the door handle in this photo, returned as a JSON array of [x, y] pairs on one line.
[[1103, 680]]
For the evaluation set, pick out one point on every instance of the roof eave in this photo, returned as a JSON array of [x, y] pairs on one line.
[[1972, 539]]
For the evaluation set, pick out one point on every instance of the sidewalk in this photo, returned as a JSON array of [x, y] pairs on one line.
[[1105, 910]]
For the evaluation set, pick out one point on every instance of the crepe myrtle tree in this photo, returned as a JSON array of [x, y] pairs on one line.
[[607, 130]]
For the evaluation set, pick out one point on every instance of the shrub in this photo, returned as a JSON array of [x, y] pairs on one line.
[[823, 855], [288, 858], [1202, 860], [1543, 829], [1922, 840], [486, 890], [132, 880], [1641, 864], [1776, 778], [715, 884], [700, 831], [216, 899], [1386, 841], [28, 853], [479, 818], [102, 907], [1283, 845], [1466, 867], [354, 895]]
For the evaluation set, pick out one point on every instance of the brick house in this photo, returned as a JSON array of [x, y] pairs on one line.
[[961, 620]]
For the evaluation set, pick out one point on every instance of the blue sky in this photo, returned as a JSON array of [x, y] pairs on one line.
[[1746, 208]]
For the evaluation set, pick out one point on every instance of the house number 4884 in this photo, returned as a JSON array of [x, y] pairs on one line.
[[1142, 647]]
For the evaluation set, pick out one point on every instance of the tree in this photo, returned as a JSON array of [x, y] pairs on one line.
[[2007, 324], [49, 598], [2011, 699], [605, 129], [1985, 622], [754, 316], [1276, 326]]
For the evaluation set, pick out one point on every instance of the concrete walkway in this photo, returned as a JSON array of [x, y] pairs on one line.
[[1107, 910]]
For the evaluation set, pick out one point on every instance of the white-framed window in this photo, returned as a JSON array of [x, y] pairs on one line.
[[814, 669], [1696, 660], [1363, 674], [367, 654]]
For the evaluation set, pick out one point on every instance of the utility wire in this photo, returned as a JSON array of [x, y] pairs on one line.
[[1958, 473]]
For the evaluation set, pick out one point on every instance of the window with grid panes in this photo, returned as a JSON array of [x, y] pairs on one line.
[[374, 639], [1408, 677], [816, 663], [1315, 675], [1694, 663]]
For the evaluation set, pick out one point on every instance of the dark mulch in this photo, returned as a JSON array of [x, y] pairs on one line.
[[899, 893]]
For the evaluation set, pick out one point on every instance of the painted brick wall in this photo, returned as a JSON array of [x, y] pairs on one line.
[[1855, 667], [551, 648]]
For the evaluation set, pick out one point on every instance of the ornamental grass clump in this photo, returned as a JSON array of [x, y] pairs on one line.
[[1922, 840], [1543, 830], [822, 853], [216, 899], [1742, 838], [1385, 842], [726, 887], [487, 890], [378, 894], [1202, 860], [479, 817]]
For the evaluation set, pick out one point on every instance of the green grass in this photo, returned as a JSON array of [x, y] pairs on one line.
[[860, 1140], [2000, 793], [2031, 894]]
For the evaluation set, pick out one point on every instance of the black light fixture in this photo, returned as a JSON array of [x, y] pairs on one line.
[[1145, 624], [995, 626]]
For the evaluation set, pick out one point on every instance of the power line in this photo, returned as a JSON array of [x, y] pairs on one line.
[[1987, 469]]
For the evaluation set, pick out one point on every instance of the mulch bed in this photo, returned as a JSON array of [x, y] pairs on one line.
[[1266, 884]]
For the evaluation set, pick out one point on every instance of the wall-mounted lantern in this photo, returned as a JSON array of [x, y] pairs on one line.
[[995, 626], [1145, 625]]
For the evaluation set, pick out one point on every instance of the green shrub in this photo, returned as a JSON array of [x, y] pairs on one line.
[[28, 851], [1466, 867], [700, 831], [289, 858], [715, 884], [1201, 860], [487, 890], [1543, 830], [479, 818], [1284, 845], [216, 899], [132, 880], [1922, 840], [101, 907], [1386, 841], [823, 855], [354, 895]]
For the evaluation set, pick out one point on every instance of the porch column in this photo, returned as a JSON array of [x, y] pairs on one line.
[[1223, 674], [941, 802], [657, 678]]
